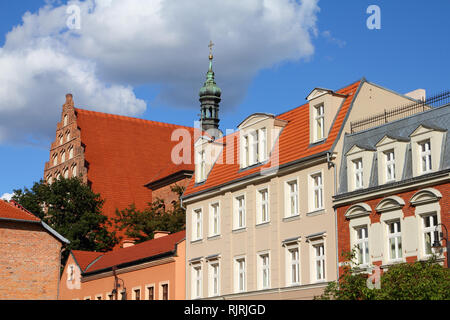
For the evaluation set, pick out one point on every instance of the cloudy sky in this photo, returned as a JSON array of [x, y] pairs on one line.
[[148, 59]]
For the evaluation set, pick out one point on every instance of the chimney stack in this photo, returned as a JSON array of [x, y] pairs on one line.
[[160, 234]]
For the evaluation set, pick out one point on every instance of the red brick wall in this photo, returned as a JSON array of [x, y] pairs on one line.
[[408, 210], [29, 262], [166, 192]]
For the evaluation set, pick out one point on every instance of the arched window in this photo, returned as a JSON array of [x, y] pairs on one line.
[[65, 120], [63, 156], [66, 174], [49, 179], [58, 176], [74, 170], [61, 139], [55, 159], [67, 135], [71, 153]]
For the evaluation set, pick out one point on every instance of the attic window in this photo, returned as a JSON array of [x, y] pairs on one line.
[[319, 123], [254, 148]]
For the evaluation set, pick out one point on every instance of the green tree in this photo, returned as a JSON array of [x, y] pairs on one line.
[[420, 280], [71, 209], [141, 225]]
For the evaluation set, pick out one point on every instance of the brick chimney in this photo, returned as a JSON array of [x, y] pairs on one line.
[[160, 234]]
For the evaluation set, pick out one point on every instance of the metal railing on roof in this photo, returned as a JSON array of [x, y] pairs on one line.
[[401, 112]]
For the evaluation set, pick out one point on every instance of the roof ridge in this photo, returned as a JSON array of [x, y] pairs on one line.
[[128, 118]]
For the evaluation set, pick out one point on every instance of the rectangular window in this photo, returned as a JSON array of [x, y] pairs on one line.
[[319, 121], [430, 235], [151, 293], [197, 225], [137, 294], [293, 198], [214, 220], [362, 245], [264, 271], [165, 291], [201, 168], [214, 279], [390, 165], [358, 170], [425, 156], [246, 152], [317, 191], [395, 240], [197, 280], [255, 147], [240, 274], [240, 214], [319, 260], [294, 266], [262, 145], [263, 206]]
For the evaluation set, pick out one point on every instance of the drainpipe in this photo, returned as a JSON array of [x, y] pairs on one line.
[[332, 164]]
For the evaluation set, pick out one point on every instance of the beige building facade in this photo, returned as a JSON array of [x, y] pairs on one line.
[[260, 222]]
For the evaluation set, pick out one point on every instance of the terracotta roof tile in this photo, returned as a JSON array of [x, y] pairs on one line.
[[124, 154], [293, 144], [137, 252], [12, 210], [84, 258]]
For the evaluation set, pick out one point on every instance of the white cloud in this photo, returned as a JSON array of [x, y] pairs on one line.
[[126, 43], [7, 196]]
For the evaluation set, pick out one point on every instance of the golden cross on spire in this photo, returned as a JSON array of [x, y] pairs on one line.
[[211, 45]]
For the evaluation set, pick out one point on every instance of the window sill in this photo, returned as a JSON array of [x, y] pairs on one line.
[[215, 237], [316, 212], [291, 218], [262, 224], [197, 241], [239, 230]]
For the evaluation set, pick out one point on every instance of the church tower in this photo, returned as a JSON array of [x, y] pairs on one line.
[[210, 98]]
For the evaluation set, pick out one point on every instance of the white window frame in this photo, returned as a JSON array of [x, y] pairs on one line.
[[317, 191], [214, 219], [263, 204], [240, 274], [147, 295], [161, 292], [197, 281], [201, 160], [390, 165], [239, 212], [263, 272], [133, 293], [358, 173], [214, 278], [292, 206], [362, 243], [431, 230], [319, 121], [197, 224], [292, 265], [318, 275], [425, 156], [395, 236], [262, 156]]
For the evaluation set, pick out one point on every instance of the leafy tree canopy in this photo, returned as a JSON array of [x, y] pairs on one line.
[[421, 280], [71, 209], [141, 225]]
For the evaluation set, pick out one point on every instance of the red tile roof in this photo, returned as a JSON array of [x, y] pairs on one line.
[[95, 261], [12, 210], [124, 154], [293, 144], [84, 258]]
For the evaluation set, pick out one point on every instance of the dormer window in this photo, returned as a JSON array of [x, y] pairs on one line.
[[425, 156], [254, 147], [358, 173], [201, 166], [319, 123], [390, 165]]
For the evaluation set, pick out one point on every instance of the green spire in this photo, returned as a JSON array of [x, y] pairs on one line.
[[210, 87]]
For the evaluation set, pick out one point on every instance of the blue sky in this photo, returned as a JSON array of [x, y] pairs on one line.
[[410, 51]]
